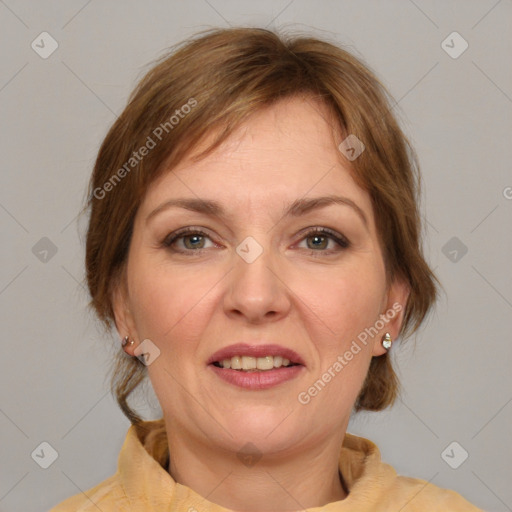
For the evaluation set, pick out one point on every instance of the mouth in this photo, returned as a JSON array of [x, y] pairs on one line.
[[256, 366], [255, 356]]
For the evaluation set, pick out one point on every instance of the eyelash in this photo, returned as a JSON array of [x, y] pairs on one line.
[[183, 233]]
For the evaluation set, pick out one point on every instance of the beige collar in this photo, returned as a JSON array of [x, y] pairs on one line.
[[142, 468]]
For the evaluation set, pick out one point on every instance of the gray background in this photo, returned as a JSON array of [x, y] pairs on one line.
[[55, 112]]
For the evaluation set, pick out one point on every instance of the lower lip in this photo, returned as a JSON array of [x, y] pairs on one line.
[[258, 379]]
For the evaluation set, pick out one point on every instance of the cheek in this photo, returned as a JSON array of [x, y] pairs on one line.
[[169, 302], [345, 309], [344, 303]]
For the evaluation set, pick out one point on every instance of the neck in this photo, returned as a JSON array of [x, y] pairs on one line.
[[304, 479]]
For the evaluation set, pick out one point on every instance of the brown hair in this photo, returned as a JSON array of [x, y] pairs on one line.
[[210, 84]]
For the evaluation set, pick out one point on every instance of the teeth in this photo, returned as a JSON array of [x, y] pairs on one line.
[[265, 363], [249, 363]]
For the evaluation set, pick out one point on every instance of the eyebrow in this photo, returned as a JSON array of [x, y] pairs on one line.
[[296, 209]]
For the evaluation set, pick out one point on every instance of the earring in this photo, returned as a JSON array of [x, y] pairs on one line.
[[386, 341], [126, 341]]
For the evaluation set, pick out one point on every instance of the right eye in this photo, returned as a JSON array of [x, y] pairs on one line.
[[186, 240]]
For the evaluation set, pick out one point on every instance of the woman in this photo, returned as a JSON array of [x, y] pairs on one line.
[[254, 237]]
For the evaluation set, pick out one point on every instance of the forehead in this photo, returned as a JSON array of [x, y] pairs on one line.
[[283, 152]]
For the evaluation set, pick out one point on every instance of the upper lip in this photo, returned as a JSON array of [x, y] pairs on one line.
[[254, 349]]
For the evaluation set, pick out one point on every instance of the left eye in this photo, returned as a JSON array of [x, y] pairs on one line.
[[320, 239]]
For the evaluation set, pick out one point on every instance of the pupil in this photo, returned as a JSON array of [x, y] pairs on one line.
[[318, 238], [193, 239]]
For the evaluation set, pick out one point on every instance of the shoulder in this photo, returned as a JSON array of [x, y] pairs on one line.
[[107, 496], [143, 452], [374, 482], [416, 495]]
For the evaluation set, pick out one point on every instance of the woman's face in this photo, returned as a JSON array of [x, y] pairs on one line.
[[259, 276]]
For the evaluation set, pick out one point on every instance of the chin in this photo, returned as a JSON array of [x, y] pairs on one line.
[[269, 428]]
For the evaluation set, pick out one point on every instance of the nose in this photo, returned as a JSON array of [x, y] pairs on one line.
[[256, 290]]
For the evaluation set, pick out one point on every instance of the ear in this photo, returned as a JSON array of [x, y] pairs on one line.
[[393, 314], [123, 317]]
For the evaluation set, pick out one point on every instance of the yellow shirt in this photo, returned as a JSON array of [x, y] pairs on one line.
[[142, 483]]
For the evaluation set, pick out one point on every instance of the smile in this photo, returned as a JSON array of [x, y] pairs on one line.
[[250, 364]]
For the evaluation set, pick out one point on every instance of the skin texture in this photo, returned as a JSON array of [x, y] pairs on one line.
[[308, 294]]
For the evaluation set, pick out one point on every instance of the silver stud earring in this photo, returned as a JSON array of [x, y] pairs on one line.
[[386, 341], [126, 341]]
